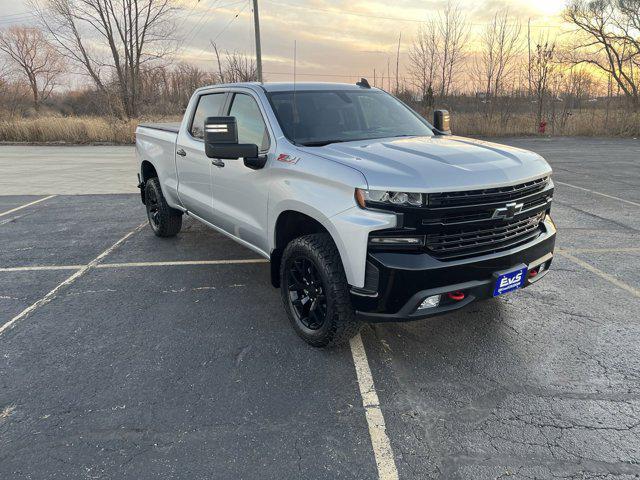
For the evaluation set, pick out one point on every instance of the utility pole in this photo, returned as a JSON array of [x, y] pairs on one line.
[[256, 28]]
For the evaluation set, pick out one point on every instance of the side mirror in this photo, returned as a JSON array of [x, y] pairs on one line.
[[221, 140], [441, 122]]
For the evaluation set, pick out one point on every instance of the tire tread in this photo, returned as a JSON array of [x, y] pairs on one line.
[[344, 323]]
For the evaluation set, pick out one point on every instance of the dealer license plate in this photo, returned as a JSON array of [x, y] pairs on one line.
[[510, 281]]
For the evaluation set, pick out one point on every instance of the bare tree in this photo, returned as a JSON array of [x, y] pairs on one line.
[[500, 48], [423, 61], [130, 33], [542, 68], [35, 59], [609, 40], [235, 66], [453, 32], [168, 90]]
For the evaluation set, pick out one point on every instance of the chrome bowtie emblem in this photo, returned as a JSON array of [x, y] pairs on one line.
[[509, 211]]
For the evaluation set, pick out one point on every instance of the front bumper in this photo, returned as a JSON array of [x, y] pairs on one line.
[[406, 279]]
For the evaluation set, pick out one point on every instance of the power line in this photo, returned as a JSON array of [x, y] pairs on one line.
[[237, 14], [201, 21], [224, 29]]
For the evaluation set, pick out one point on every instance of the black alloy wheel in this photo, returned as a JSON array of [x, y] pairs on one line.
[[164, 220], [307, 293], [315, 291], [153, 208]]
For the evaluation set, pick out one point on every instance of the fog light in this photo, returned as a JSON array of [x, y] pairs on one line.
[[430, 302]]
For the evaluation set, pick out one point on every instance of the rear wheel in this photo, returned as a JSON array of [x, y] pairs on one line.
[[315, 291], [164, 220]]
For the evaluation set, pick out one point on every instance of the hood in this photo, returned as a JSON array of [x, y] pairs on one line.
[[435, 164]]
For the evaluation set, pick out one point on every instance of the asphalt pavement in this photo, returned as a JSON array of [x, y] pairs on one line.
[[123, 355]]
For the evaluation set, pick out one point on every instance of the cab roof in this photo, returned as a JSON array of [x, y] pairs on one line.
[[290, 86], [301, 86]]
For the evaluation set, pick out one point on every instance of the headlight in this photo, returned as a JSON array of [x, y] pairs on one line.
[[383, 197]]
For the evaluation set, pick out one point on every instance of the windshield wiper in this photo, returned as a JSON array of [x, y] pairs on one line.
[[322, 143]]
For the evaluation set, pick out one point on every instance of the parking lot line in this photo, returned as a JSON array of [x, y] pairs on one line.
[[26, 205], [38, 268], [609, 278], [382, 450], [84, 269], [183, 262], [603, 250], [597, 193]]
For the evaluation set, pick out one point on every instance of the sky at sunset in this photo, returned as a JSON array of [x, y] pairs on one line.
[[337, 40]]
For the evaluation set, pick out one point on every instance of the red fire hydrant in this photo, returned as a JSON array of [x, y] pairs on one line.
[[542, 127]]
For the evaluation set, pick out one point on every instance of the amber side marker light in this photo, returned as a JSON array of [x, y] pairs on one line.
[[360, 200]]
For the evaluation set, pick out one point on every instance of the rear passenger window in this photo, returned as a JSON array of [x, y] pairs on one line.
[[208, 106]]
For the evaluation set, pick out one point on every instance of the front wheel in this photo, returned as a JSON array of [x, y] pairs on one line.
[[164, 220], [315, 291]]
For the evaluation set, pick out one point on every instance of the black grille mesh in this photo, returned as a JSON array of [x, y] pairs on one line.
[[483, 239]]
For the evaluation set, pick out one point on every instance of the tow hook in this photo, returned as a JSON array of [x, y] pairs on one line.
[[456, 296]]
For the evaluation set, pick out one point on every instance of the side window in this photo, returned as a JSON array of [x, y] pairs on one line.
[[208, 106], [251, 126]]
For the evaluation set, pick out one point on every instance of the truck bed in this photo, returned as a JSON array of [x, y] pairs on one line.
[[165, 127]]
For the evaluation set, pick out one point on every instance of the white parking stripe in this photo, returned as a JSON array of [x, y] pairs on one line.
[[603, 250], [38, 268], [84, 269], [382, 451], [25, 205], [609, 278], [597, 193], [184, 262]]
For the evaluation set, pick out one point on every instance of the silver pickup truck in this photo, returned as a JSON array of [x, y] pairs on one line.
[[366, 211]]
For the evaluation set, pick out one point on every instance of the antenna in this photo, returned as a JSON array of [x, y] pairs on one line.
[[294, 110]]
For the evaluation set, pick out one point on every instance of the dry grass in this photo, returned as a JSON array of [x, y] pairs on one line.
[[91, 130], [73, 130], [595, 123]]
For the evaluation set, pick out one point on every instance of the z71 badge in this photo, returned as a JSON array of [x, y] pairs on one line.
[[283, 157]]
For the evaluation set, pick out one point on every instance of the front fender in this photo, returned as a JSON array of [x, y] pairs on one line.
[[349, 230]]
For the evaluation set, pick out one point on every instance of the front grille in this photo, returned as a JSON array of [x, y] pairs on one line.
[[487, 195], [481, 239], [465, 224]]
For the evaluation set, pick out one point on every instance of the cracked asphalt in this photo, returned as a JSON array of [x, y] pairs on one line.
[[192, 371]]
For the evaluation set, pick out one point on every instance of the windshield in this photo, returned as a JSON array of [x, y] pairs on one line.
[[319, 118]]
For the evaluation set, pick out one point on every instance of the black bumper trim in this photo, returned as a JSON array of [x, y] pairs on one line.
[[407, 279]]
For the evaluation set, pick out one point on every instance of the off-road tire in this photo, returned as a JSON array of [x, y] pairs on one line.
[[164, 220], [340, 322]]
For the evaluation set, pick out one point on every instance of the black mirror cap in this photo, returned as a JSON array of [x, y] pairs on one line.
[[220, 130], [231, 151], [221, 140], [441, 121]]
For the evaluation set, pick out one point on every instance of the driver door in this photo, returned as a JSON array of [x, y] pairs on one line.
[[193, 166], [240, 194]]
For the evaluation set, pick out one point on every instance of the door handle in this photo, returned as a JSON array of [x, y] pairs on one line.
[[181, 152], [217, 162]]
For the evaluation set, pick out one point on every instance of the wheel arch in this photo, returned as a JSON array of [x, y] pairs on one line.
[[147, 171], [291, 224]]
